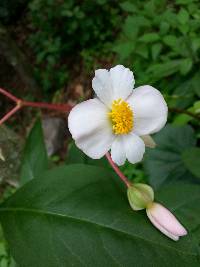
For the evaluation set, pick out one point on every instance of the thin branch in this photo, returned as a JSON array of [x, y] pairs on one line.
[[181, 111], [59, 107], [10, 113], [9, 95], [23, 103]]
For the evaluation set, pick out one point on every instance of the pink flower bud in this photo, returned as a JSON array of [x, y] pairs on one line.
[[165, 221]]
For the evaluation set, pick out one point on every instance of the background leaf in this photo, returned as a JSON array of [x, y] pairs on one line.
[[78, 216], [165, 163], [191, 158], [75, 155], [35, 159]]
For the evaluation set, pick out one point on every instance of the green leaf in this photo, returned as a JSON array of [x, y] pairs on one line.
[[155, 50], [131, 28], [186, 66], [124, 49], [164, 163], [161, 70], [191, 158], [128, 7], [78, 216], [196, 83], [142, 50], [149, 37], [170, 40], [75, 155], [35, 160], [182, 119], [183, 16]]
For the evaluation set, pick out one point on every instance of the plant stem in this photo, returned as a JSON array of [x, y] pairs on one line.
[[23, 103], [59, 107], [10, 113], [181, 111], [9, 95], [117, 170]]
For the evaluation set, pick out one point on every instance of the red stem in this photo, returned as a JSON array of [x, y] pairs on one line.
[[22, 103], [9, 95], [59, 107], [10, 113], [117, 170]]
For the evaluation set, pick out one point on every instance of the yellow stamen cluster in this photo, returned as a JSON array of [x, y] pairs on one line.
[[121, 116]]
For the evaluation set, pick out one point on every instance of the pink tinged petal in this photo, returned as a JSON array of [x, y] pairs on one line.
[[134, 148], [165, 221], [149, 110], [90, 128], [118, 154], [114, 84]]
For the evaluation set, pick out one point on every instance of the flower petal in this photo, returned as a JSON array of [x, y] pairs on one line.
[[114, 84], [160, 228], [165, 221], [118, 154], [102, 86], [149, 110], [134, 147], [90, 128]]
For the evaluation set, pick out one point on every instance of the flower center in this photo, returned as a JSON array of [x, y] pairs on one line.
[[121, 116]]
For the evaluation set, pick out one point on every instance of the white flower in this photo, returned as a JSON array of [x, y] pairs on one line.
[[120, 118]]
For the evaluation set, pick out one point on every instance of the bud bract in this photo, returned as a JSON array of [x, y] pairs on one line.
[[140, 196]]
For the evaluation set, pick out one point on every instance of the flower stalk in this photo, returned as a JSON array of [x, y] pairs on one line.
[[117, 170]]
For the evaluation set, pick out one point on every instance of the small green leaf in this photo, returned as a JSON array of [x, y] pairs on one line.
[[161, 70], [149, 37], [170, 40], [183, 16], [142, 50], [191, 158], [124, 49], [78, 216], [128, 7], [182, 119], [186, 66], [196, 83], [35, 160], [155, 50], [164, 27]]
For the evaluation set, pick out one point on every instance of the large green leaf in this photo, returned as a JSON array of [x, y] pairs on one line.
[[75, 155], [164, 163], [78, 216], [35, 159], [191, 158]]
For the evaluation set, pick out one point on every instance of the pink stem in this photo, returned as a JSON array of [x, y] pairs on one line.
[[10, 113], [117, 170], [59, 107], [22, 103], [9, 95]]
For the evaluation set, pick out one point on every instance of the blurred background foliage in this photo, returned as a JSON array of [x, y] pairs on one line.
[[64, 41]]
